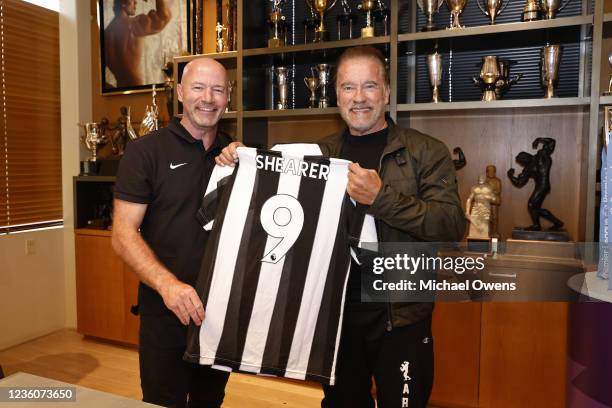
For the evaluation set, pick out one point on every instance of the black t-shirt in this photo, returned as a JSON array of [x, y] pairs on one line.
[[168, 170], [365, 150]]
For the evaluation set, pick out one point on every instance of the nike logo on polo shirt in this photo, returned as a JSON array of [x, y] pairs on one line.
[[176, 166]]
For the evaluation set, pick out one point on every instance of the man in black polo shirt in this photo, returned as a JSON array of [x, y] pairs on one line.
[[159, 187]]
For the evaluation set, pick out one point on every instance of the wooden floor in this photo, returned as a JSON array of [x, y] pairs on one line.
[[66, 356]]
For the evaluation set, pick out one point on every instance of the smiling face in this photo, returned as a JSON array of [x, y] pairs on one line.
[[204, 93], [362, 94]]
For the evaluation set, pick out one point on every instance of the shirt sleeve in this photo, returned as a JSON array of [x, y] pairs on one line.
[[134, 177]]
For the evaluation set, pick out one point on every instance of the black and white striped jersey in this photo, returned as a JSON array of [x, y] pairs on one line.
[[274, 272]]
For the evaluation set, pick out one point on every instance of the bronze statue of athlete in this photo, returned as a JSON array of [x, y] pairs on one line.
[[123, 39], [538, 168]]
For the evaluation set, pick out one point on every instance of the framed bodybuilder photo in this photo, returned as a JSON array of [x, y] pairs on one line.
[[137, 39]]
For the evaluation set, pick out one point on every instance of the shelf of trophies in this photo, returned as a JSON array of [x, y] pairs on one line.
[[497, 104], [533, 69], [316, 46], [605, 100], [498, 28], [453, 18]]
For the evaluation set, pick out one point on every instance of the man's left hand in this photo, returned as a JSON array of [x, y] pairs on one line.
[[363, 184]]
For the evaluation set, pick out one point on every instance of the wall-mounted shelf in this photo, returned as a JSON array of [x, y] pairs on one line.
[[316, 46], [605, 100], [213, 55], [290, 112], [512, 103], [498, 28]]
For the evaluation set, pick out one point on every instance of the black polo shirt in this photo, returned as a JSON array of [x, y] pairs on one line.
[[168, 170]]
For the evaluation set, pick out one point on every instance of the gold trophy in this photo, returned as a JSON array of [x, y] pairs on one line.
[[434, 65], [609, 91], [321, 7], [531, 11], [492, 8], [312, 83], [278, 28], [551, 58], [430, 8], [456, 8], [489, 74], [367, 6], [550, 8]]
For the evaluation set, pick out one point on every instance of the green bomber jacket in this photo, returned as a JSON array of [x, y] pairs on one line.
[[417, 202]]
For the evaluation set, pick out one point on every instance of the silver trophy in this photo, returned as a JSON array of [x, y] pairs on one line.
[[382, 13], [312, 83], [93, 137], [488, 77], [434, 65], [323, 72], [150, 121], [430, 8], [276, 19], [345, 17], [282, 83], [492, 8], [550, 8], [505, 81], [551, 58], [456, 8]]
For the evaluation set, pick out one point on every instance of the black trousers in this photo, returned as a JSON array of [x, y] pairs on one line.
[[165, 378], [400, 360]]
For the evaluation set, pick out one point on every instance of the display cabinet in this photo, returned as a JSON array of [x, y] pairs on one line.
[[106, 287]]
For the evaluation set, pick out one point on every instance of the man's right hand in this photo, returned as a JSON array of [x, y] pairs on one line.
[[184, 302], [229, 155]]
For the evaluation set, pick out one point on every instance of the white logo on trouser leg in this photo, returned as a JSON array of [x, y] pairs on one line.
[[406, 391]]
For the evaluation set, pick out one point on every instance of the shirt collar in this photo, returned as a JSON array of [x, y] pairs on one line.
[[221, 139]]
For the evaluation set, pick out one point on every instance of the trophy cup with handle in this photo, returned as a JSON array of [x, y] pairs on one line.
[[282, 83], [434, 66], [321, 7], [312, 83], [94, 136], [551, 58], [531, 11], [430, 9], [550, 8], [367, 6], [486, 80], [276, 20], [456, 8], [323, 72], [492, 8], [505, 81]]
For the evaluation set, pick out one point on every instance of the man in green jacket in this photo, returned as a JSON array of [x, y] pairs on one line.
[[406, 181]]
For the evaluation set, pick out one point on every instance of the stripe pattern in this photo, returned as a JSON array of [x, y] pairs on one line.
[[281, 318]]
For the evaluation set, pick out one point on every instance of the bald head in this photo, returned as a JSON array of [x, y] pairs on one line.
[[204, 91], [204, 67]]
